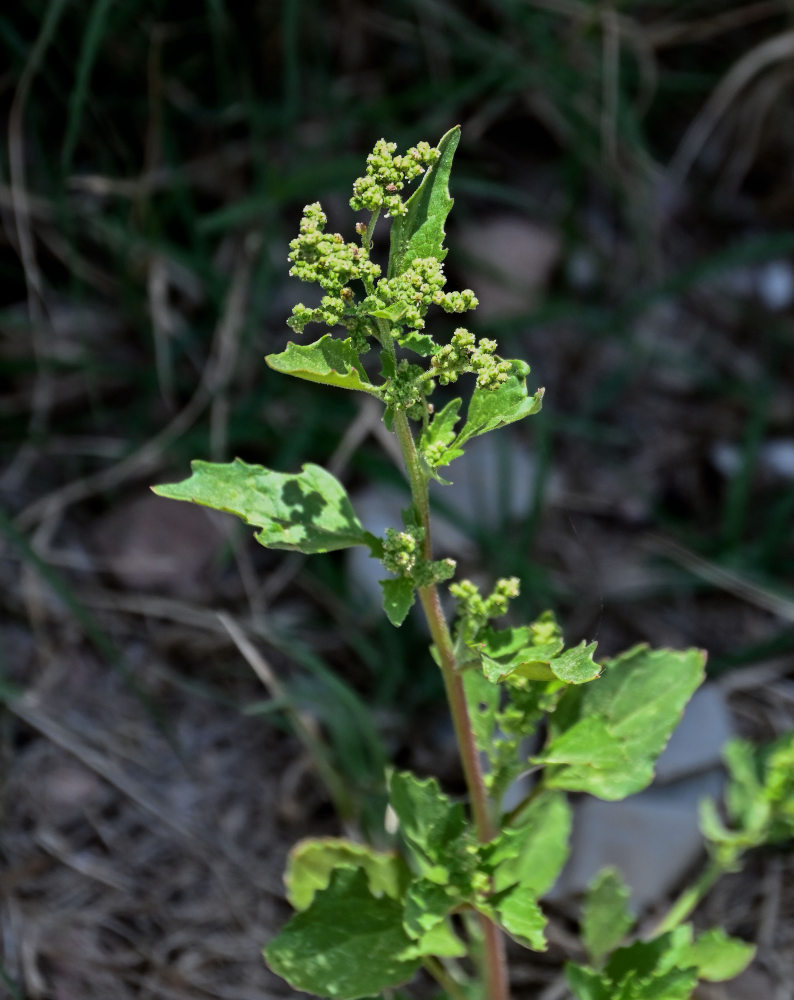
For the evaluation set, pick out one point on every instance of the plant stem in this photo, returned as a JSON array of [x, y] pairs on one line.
[[495, 959], [690, 898], [442, 977]]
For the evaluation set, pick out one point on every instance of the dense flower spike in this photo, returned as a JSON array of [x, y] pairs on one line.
[[419, 287], [388, 174], [401, 550], [405, 389], [464, 354], [474, 605], [332, 263]]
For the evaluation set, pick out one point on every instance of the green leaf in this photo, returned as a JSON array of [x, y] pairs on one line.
[[533, 852], [398, 598], [606, 736], [426, 905], [441, 941], [490, 409], [309, 511], [482, 698], [518, 913], [420, 232], [429, 821], [744, 796], [716, 956], [346, 945], [586, 984], [311, 863], [329, 360], [576, 665], [420, 343], [605, 915], [393, 313], [516, 653]]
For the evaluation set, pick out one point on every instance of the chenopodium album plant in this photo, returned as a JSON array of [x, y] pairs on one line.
[[462, 876]]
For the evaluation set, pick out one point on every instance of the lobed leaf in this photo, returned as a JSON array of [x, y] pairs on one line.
[[534, 851], [605, 914], [605, 737], [347, 945], [488, 410], [420, 232], [644, 970], [429, 821], [515, 653], [312, 862], [309, 511], [329, 361], [716, 956], [518, 913]]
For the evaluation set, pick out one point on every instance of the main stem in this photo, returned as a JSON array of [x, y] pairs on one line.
[[494, 950]]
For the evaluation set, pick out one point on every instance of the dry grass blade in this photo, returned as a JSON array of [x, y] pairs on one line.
[[723, 98], [149, 455]]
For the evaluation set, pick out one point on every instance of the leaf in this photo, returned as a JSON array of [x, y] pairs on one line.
[[429, 821], [534, 852], [576, 665], [309, 511], [644, 970], [586, 984], [312, 862], [420, 232], [490, 409], [426, 905], [436, 438], [482, 698], [518, 913], [329, 360], [605, 915], [441, 941], [606, 736], [716, 956], [515, 653], [420, 343], [346, 945], [398, 598]]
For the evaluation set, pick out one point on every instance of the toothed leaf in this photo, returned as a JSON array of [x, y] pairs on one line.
[[309, 511], [346, 945], [420, 232], [606, 736], [329, 360]]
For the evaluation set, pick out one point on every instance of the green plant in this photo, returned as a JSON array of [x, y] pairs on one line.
[[459, 879]]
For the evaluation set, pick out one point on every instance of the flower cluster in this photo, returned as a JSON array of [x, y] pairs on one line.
[[332, 263], [405, 389], [402, 549], [388, 174], [464, 354], [402, 555], [417, 288], [474, 605]]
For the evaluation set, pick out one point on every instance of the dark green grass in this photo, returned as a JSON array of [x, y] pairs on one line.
[[279, 102]]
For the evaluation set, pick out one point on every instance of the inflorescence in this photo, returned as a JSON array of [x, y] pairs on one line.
[[401, 300]]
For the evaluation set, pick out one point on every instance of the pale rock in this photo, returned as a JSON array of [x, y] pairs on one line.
[[511, 262], [653, 838], [150, 543], [775, 285]]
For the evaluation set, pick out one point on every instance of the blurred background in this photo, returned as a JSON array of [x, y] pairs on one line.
[[180, 705]]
